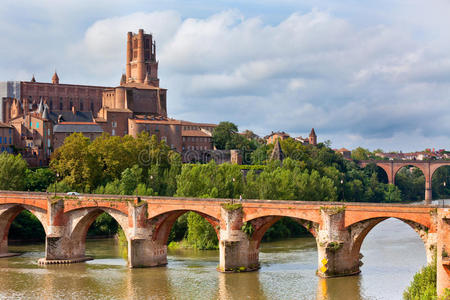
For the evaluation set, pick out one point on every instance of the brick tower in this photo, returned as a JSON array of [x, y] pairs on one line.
[[141, 59], [312, 137]]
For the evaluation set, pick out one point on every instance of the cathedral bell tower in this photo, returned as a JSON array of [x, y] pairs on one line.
[[141, 59]]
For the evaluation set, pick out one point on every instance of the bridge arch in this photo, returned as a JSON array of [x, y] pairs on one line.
[[440, 181], [7, 215], [261, 225], [79, 222], [361, 229], [162, 224]]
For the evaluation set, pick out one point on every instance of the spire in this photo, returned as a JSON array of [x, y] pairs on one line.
[[312, 138], [147, 79], [41, 107], [55, 78], [33, 79], [45, 113], [277, 153], [123, 80]]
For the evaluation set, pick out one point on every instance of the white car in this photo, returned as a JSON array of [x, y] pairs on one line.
[[73, 194]]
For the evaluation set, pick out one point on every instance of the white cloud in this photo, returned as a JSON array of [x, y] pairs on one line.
[[369, 85]]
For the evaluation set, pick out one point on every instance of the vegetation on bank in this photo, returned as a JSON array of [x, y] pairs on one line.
[[145, 166], [423, 286]]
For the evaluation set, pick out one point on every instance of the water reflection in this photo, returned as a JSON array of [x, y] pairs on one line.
[[393, 253], [240, 286], [341, 288]]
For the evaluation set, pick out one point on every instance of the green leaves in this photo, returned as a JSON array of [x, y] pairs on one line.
[[12, 171], [423, 286]]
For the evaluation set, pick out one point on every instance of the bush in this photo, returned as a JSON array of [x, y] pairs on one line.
[[423, 286]]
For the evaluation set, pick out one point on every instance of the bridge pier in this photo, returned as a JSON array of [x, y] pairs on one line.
[[334, 244], [238, 253], [146, 247], [428, 190], [443, 251]]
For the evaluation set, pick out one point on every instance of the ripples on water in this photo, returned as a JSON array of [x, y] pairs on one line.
[[393, 252]]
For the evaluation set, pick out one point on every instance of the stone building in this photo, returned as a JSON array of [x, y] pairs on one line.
[[42, 115], [6, 138]]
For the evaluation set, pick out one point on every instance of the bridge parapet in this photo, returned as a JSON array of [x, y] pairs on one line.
[[339, 228]]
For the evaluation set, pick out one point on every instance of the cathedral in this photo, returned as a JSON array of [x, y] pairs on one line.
[[38, 116]]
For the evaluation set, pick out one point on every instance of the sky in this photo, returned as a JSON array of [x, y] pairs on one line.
[[374, 74]]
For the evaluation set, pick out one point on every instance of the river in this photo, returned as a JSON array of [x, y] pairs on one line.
[[392, 251]]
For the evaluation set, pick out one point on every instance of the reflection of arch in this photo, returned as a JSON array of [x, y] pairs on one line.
[[162, 224], [361, 229], [7, 216], [262, 224]]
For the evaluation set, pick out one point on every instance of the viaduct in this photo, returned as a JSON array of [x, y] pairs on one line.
[[339, 228], [391, 167]]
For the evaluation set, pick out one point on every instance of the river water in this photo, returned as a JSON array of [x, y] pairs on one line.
[[392, 251]]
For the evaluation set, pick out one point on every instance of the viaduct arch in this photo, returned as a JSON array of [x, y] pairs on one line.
[[391, 167], [339, 228]]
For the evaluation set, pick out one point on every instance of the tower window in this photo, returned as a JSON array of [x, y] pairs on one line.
[[147, 44]]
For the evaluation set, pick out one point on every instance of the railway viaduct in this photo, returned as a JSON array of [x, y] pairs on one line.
[[391, 167], [339, 228]]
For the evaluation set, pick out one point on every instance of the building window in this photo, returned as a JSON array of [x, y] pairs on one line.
[[71, 104], [31, 124], [37, 125], [113, 132], [48, 130], [60, 105], [114, 124], [81, 105], [51, 104], [92, 106]]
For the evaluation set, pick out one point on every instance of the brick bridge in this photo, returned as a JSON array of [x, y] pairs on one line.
[[339, 228], [391, 167]]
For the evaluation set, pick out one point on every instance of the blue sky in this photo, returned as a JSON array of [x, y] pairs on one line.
[[363, 73]]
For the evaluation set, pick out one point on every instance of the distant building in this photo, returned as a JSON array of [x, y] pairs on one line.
[[6, 138], [345, 152], [274, 136]]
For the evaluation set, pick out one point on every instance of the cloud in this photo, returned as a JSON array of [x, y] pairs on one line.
[[358, 83]]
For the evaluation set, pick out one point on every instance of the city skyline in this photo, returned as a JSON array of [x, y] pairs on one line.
[[359, 75]]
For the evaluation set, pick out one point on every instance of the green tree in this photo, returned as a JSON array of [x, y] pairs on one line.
[[75, 163], [12, 171], [39, 179], [201, 234], [361, 154], [131, 177], [423, 286], [223, 135]]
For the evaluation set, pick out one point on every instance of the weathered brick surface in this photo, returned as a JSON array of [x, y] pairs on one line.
[[339, 228]]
